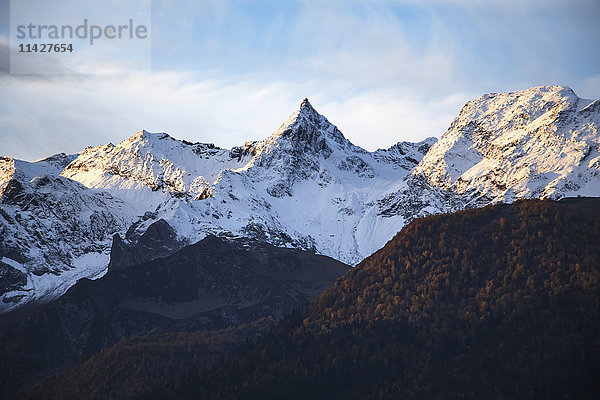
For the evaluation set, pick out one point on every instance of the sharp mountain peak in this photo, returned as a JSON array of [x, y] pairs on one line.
[[306, 125], [307, 109]]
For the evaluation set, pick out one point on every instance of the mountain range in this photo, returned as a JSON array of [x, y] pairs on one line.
[[68, 217]]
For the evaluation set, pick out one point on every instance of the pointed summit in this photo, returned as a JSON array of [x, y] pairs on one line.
[[298, 146], [307, 126], [305, 105], [309, 113]]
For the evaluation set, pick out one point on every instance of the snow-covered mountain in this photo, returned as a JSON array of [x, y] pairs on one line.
[[53, 230], [305, 186], [542, 142]]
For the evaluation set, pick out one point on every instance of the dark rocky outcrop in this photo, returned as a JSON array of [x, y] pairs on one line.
[[159, 240]]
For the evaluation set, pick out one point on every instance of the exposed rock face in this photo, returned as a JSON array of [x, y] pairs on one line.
[[159, 240], [11, 278]]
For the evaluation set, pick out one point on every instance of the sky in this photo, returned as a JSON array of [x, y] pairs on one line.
[[229, 71]]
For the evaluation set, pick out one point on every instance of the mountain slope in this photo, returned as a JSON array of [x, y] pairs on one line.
[[541, 142], [54, 230], [498, 302], [147, 167], [137, 364], [213, 284], [537, 143]]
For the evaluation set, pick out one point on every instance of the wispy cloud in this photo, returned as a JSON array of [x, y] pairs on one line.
[[60, 114]]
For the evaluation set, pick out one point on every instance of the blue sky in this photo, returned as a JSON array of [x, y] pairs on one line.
[[230, 71]]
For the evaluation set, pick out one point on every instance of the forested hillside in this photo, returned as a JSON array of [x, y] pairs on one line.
[[499, 302]]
